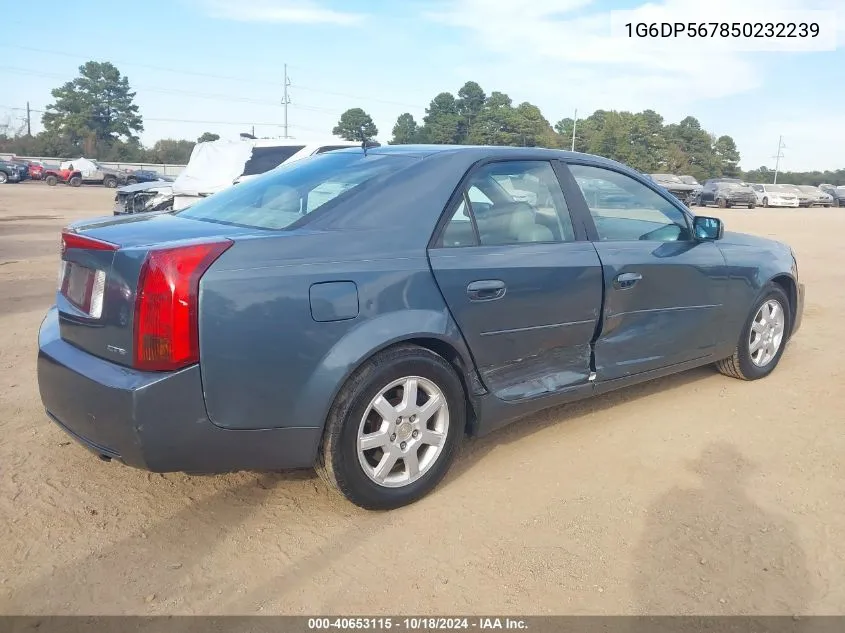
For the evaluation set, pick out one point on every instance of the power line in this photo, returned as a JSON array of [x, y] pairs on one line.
[[169, 120], [216, 76]]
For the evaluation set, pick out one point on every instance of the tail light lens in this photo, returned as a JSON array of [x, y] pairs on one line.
[[166, 305]]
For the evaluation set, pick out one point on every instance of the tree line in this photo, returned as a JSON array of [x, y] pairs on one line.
[[95, 115]]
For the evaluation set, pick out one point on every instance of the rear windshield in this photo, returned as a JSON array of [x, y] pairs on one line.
[[285, 195]]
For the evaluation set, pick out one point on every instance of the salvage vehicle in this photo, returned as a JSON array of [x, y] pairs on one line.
[[217, 165], [775, 196], [727, 192], [88, 171], [136, 176], [362, 310], [144, 198], [815, 196], [12, 172], [696, 188], [804, 199], [69, 176], [837, 193], [674, 185]]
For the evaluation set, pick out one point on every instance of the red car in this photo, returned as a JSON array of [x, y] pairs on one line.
[[71, 177], [36, 170]]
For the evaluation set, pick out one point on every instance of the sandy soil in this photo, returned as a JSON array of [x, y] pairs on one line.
[[692, 494]]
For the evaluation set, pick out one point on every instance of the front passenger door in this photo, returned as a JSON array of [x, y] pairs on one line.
[[663, 290]]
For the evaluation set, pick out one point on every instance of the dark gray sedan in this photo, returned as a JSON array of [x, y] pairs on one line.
[[360, 312]]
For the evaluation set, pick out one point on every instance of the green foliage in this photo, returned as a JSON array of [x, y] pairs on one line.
[[170, 151], [207, 137], [352, 122], [406, 131], [96, 109], [766, 175]]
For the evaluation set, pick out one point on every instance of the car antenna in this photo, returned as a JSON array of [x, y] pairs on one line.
[[363, 140]]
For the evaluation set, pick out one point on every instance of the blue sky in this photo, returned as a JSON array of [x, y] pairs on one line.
[[221, 61]]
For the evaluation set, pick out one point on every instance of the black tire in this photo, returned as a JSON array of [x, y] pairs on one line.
[[739, 364], [51, 180], [765, 202], [110, 183], [4, 178], [836, 202], [722, 203], [131, 181], [752, 205], [338, 462], [75, 181]]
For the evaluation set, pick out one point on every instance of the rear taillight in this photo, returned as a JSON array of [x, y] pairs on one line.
[[166, 305]]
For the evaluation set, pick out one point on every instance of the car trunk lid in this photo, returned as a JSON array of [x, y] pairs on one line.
[[101, 264]]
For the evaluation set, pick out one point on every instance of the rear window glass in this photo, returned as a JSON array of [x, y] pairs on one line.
[[287, 194], [264, 159]]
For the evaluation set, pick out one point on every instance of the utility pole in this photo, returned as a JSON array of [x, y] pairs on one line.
[[28, 120], [286, 100], [777, 158], [574, 123]]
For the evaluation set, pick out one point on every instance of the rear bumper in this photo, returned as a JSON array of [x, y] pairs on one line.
[[153, 421]]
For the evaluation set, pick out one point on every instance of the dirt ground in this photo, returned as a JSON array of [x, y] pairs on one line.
[[692, 494]]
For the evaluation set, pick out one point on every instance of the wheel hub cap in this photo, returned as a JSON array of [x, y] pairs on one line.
[[403, 431], [767, 332]]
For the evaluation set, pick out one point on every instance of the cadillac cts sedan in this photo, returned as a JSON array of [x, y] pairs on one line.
[[359, 312]]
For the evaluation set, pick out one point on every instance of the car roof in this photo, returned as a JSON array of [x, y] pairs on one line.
[[482, 152]]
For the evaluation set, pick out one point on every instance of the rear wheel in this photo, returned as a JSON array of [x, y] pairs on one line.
[[763, 338], [722, 203], [752, 205], [394, 428], [75, 181], [765, 202], [3, 178], [51, 180]]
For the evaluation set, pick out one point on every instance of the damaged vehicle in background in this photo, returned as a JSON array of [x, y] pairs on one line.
[[728, 192], [674, 185], [217, 165]]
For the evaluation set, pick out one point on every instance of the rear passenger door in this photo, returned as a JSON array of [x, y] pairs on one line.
[[521, 281]]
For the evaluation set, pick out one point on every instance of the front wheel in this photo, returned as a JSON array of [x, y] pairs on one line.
[[394, 428], [722, 203], [3, 178], [763, 338], [110, 183]]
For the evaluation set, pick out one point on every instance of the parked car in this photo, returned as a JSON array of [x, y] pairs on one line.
[[135, 176], [91, 172], [674, 185], [144, 198], [362, 311], [727, 192], [12, 172], [835, 192], [816, 197], [804, 199], [696, 191], [775, 196], [217, 165], [36, 169], [69, 176]]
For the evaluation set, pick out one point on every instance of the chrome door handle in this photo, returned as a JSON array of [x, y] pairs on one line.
[[626, 280], [486, 290]]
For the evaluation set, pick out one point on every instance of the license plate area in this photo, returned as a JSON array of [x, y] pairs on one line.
[[83, 288]]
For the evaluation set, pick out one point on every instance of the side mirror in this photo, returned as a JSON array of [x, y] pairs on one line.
[[708, 229]]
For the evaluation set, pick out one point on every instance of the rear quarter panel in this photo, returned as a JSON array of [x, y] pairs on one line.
[[267, 363]]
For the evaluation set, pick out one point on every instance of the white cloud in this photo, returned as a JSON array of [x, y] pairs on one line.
[[281, 11], [562, 54]]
